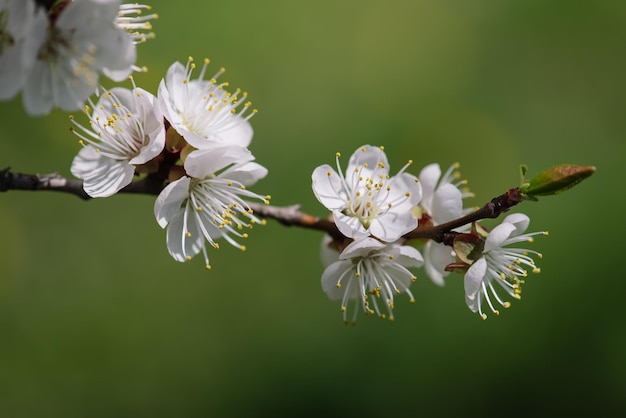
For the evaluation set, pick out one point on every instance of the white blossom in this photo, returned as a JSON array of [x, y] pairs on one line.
[[366, 200], [81, 42], [442, 201], [211, 204], [22, 30], [126, 130], [500, 264], [368, 272], [202, 111]]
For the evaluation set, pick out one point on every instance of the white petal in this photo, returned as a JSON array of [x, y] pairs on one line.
[[447, 204], [498, 236], [429, 176], [328, 188], [436, 258], [361, 248], [520, 221], [200, 163], [101, 175], [370, 156], [168, 203], [328, 254], [331, 276], [239, 134], [391, 226], [37, 93], [409, 257], [401, 185], [178, 244], [349, 226], [246, 174], [473, 283]]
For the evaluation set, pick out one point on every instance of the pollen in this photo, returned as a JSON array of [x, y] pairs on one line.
[[208, 267]]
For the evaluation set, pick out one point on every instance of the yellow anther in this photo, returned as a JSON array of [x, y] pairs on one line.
[[208, 267], [329, 173], [536, 270], [242, 248], [366, 165], [413, 278], [497, 312], [338, 285], [507, 304], [407, 194], [188, 257], [338, 154], [343, 309], [188, 234], [382, 148], [483, 316], [216, 246]]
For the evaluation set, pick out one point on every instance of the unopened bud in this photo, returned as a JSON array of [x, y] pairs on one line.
[[555, 180]]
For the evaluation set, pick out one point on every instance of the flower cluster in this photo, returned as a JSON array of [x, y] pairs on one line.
[[55, 57], [193, 137], [376, 214]]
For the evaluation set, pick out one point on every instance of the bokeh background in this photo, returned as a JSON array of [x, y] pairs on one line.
[[96, 320]]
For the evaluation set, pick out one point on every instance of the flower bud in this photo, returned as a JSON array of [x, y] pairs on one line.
[[555, 180]]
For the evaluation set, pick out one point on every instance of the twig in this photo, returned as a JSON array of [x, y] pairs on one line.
[[286, 215]]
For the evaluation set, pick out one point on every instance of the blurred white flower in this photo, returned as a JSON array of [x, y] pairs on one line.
[[442, 201], [22, 30], [80, 43], [208, 205], [368, 271], [127, 130], [505, 266], [202, 111], [367, 201]]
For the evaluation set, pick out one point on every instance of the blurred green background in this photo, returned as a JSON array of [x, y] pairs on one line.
[[96, 320]]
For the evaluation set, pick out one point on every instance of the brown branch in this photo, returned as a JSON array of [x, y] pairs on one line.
[[286, 215]]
